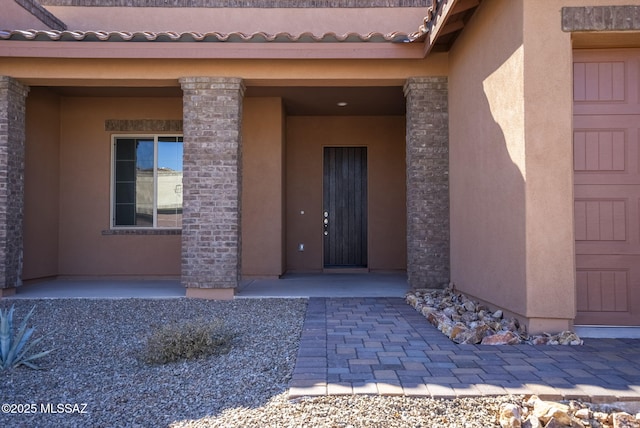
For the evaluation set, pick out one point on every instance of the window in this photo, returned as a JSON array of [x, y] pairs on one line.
[[147, 182]]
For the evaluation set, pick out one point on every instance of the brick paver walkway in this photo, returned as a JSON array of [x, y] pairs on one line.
[[383, 346]]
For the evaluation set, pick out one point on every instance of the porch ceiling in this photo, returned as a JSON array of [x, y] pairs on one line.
[[298, 101]]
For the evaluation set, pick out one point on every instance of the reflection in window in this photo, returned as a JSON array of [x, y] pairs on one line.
[[147, 188]]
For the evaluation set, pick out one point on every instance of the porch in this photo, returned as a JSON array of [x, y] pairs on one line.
[[289, 286]]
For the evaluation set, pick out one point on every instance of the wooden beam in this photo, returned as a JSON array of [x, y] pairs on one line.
[[437, 24], [452, 27], [464, 5]]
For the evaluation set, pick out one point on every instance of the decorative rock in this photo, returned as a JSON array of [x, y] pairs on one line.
[[625, 420], [449, 311], [469, 317], [555, 423], [502, 338], [537, 413], [540, 340], [547, 410], [412, 300], [568, 338], [510, 416], [583, 414], [532, 422], [458, 333], [475, 335], [460, 318], [426, 310], [469, 306], [601, 417]]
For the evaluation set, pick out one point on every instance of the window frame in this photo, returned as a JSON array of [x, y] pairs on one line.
[[112, 184]]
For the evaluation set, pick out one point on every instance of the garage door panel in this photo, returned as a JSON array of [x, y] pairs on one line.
[[605, 288], [601, 220], [606, 82], [597, 81], [607, 186], [606, 155], [607, 225], [599, 150]]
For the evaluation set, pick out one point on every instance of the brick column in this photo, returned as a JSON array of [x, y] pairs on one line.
[[427, 181], [211, 185], [12, 141]]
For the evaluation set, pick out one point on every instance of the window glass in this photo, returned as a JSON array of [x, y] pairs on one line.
[[148, 182], [169, 182]]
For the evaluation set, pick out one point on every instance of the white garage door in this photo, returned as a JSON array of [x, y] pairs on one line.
[[607, 186]]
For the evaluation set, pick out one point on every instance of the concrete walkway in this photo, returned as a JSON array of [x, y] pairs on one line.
[[383, 346]]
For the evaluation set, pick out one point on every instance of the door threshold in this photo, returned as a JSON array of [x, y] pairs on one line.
[[607, 331], [345, 270]]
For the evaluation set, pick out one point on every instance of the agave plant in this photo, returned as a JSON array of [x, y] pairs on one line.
[[13, 349]]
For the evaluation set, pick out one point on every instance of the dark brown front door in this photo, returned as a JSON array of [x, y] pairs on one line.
[[345, 207]]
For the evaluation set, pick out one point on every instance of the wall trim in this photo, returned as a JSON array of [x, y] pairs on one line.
[[109, 232], [143, 125], [601, 18]]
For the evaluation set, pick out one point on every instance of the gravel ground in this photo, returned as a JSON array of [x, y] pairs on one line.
[[95, 370], [96, 361], [362, 411]]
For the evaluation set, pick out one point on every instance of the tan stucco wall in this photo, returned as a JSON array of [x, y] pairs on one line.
[[384, 138], [245, 20], [85, 164], [511, 162], [487, 166], [549, 175], [263, 187], [42, 168], [163, 72]]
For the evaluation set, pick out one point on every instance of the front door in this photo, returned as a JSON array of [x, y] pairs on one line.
[[345, 207]]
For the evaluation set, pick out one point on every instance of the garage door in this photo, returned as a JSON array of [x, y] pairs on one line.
[[607, 186]]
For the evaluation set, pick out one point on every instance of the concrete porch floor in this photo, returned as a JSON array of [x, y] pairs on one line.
[[290, 285], [327, 285]]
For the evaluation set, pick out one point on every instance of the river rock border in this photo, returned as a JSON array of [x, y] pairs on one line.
[[534, 412], [466, 321]]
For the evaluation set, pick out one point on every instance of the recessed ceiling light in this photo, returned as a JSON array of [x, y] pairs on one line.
[[342, 104]]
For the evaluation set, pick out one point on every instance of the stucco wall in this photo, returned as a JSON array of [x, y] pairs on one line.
[[511, 160], [384, 137], [511, 170], [41, 205], [85, 162], [263, 188], [549, 169], [487, 165]]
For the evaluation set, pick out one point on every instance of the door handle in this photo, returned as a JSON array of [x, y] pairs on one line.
[[325, 223]]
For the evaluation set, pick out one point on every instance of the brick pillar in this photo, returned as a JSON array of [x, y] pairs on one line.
[[12, 141], [427, 181], [212, 111]]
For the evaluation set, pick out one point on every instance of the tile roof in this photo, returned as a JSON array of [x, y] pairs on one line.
[[144, 36]]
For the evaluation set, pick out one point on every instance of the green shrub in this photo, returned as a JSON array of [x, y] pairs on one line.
[[187, 340], [14, 347]]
